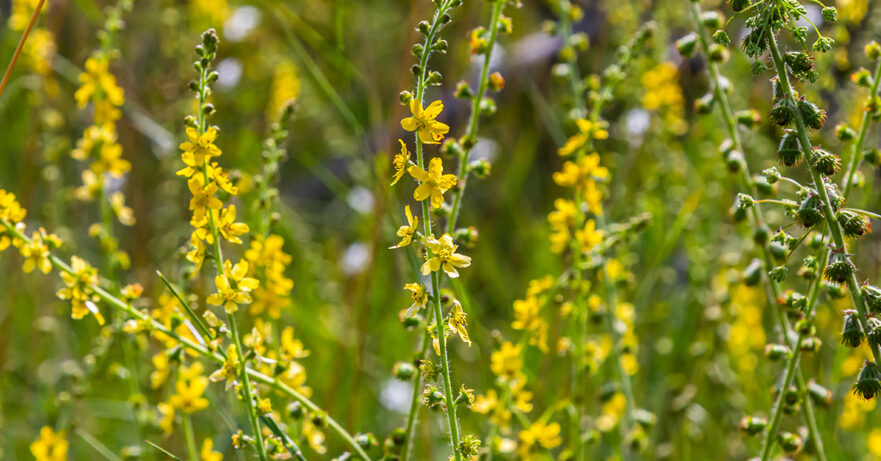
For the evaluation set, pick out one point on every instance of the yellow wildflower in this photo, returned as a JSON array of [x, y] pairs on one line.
[[546, 435], [587, 131], [197, 254], [406, 232], [36, 253], [444, 256], [79, 286], [589, 237], [433, 183], [228, 371], [200, 147], [233, 286], [526, 314], [208, 453], [285, 88], [203, 197], [561, 221], [400, 162], [291, 348], [125, 214], [229, 229], [10, 210], [51, 446], [264, 406], [420, 297], [166, 422], [99, 85], [189, 389], [160, 374], [507, 362], [423, 121], [459, 321]]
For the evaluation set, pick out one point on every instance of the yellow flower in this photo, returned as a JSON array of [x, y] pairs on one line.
[[483, 404], [580, 173], [589, 237], [423, 122], [51, 446], [291, 348], [197, 254], [546, 435], [433, 183], [228, 371], [459, 321], [264, 406], [208, 453], [587, 131], [99, 85], [233, 287], [285, 88], [125, 214], [10, 210], [166, 422], [506, 362], [189, 389], [561, 221], [160, 374], [203, 197], [526, 314], [873, 441], [523, 400], [229, 229], [400, 162], [443, 256], [406, 232], [200, 147], [79, 286], [35, 254], [420, 297]]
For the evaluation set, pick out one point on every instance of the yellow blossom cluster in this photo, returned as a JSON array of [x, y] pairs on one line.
[[39, 49], [663, 94], [268, 263], [527, 312], [50, 446]]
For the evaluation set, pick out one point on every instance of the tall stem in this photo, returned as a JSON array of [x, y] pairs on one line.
[[856, 155], [18, 48]]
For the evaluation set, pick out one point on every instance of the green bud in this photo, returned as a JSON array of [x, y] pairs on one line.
[[778, 274], [844, 132], [869, 382], [752, 275], [873, 331], [752, 425], [813, 116], [789, 442], [830, 14], [851, 333], [776, 352], [825, 162], [712, 19], [853, 224], [704, 104], [782, 112], [721, 38], [809, 212], [873, 50], [839, 267], [404, 371], [687, 44], [872, 296]]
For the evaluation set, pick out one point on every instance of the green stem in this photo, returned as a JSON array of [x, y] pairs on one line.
[[413, 413], [856, 155], [565, 24], [190, 438], [471, 133]]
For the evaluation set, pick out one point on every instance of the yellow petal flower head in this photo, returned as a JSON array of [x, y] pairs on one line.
[[79, 286], [51, 446], [291, 348], [207, 453], [36, 252], [233, 286], [229, 370], [203, 197], [229, 229], [400, 162], [433, 183], [507, 362], [189, 389], [444, 256], [166, 420], [406, 232], [587, 131], [10, 210], [200, 146], [196, 254], [459, 321], [423, 122], [420, 297], [97, 84], [589, 237], [546, 435]]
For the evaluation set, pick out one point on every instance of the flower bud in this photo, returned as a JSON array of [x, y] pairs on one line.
[[466, 236], [704, 104], [752, 275], [295, 410], [440, 46], [869, 382], [417, 49], [873, 50], [405, 97], [830, 14], [851, 333], [487, 107], [735, 161], [778, 274], [366, 441], [451, 147], [404, 371], [844, 132], [823, 44], [789, 442], [861, 77], [753, 425], [432, 397], [721, 38], [496, 82], [423, 27], [873, 332], [853, 224], [748, 118], [873, 156], [481, 168], [839, 267], [687, 44], [811, 344], [825, 162], [718, 53], [782, 112], [434, 78], [775, 352], [772, 175], [800, 63]]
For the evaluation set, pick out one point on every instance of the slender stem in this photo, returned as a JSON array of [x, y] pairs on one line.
[[246, 388], [196, 319], [773, 290], [152, 324], [565, 24], [192, 452], [856, 155], [471, 133], [413, 413], [24, 37]]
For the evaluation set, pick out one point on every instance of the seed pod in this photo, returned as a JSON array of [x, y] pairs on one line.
[[783, 112], [872, 296], [825, 162], [839, 267], [778, 274], [735, 161], [789, 151], [873, 331], [753, 425], [794, 300], [404, 371], [790, 442], [869, 382], [748, 118], [809, 212], [800, 62], [834, 290], [844, 132], [775, 352], [851, 334], [738, 5], [873, 50], [717, 53], [721, 37], [791, 401], [811, 344], [712, 19], [644, 418], [853, 224], [704, 104], [813, 116]]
